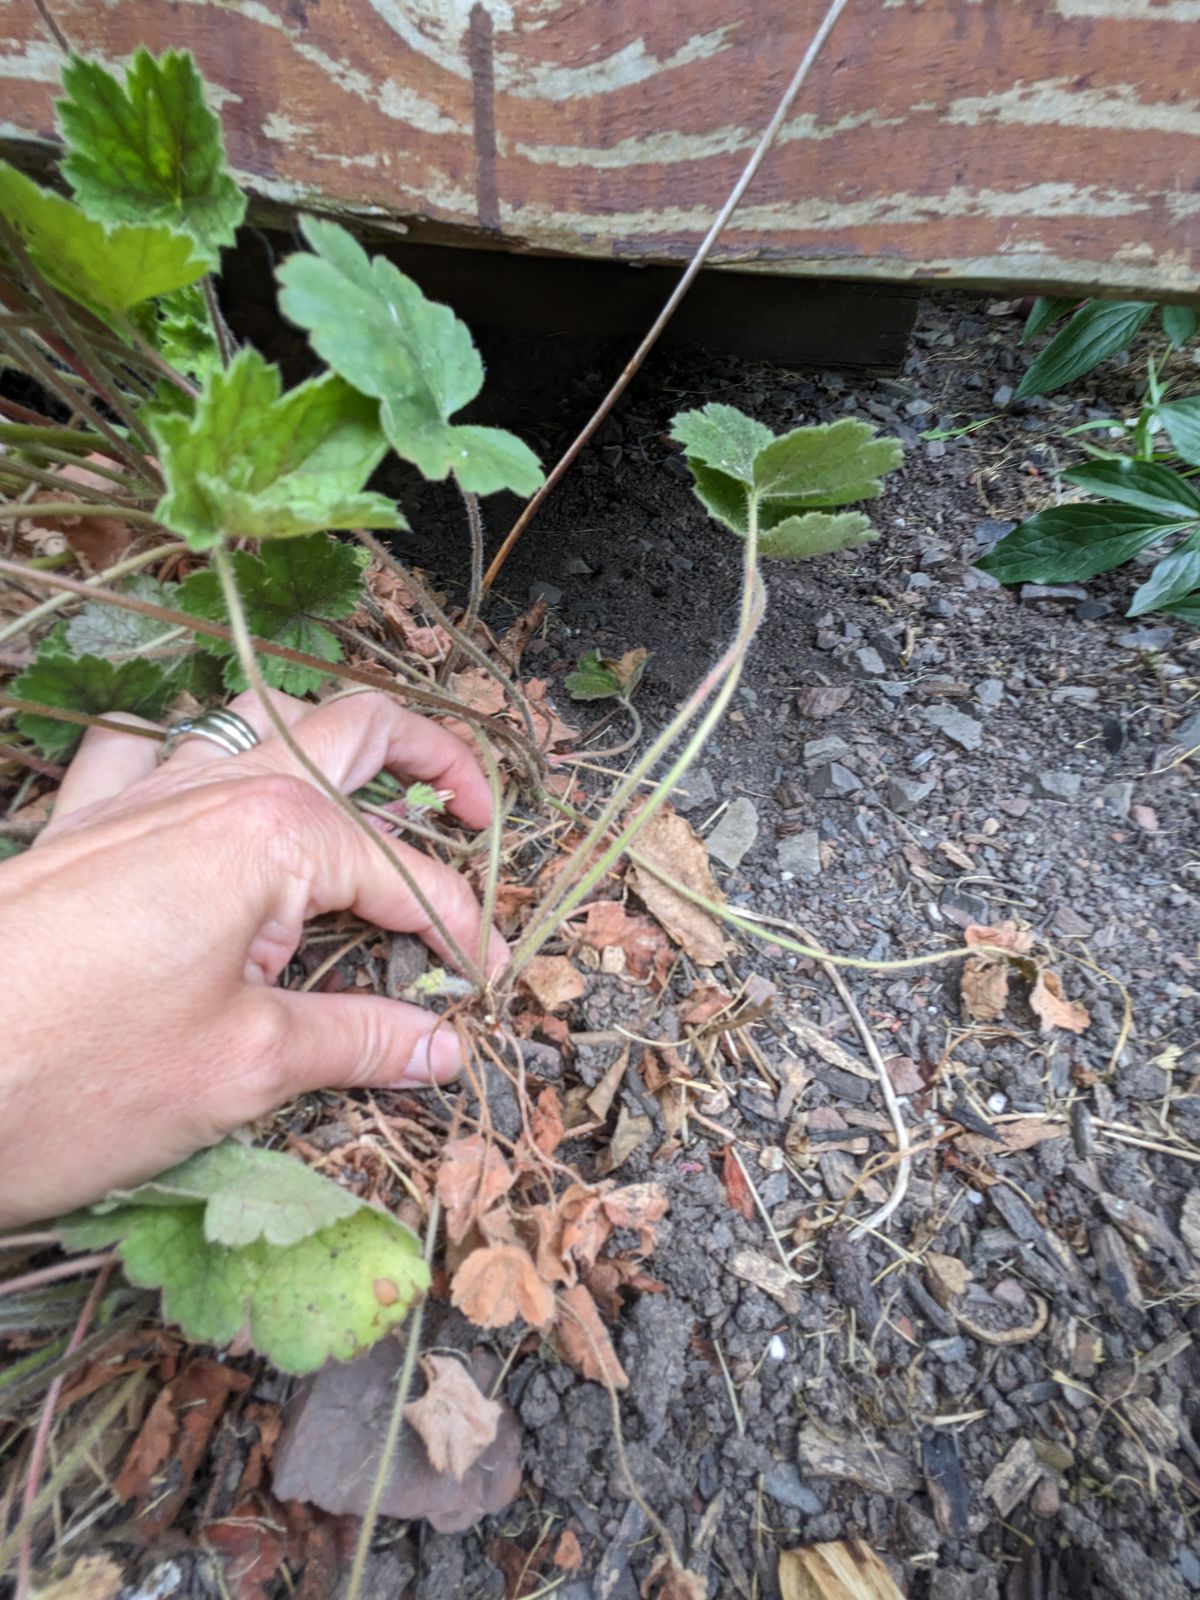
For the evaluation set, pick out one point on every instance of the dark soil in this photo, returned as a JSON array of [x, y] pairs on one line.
[[1073, 812]]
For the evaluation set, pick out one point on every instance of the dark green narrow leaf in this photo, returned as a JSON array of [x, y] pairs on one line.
[[1143, 484], [1068, 543], [1179, 324], [1046, 310], [1173, 579], [1099, 330], [1188, 608], [1181, 419]]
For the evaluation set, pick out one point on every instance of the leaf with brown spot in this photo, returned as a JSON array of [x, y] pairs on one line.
[[455, 1421], [581, 1338], [637, 1206], [1052, 1008], [499, 1283], [472, 1177], [553, 982], [546, 1121], [737, 1190], [670, 842]]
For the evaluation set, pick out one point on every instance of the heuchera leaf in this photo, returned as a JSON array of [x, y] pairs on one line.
[[1181, 419], [150, 151], [286, 592], [89, 684], [1068, 543], [177, 325], [253, 463], [104, 630], [106, 268], [734, 459], [250, 1241], [1100, 329], [374, 326], [1143, 484]]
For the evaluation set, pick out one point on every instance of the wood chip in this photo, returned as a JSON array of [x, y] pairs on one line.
[[946, 1277], [847, 1569], [1118, 1287], [949, 1492], [768, 1275], [1011, 1479], [1022, 1133], [871, 1466]]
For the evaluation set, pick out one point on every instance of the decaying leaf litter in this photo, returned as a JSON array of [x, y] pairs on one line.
[[664, 1179]]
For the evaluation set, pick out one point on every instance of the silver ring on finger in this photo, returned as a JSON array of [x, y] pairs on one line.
[[226, 729]]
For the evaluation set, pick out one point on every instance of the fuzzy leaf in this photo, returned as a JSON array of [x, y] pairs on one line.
[[815, 533], [1046, 310], [1143, 484], [832, 464], [89, 684], [1068, 543], [1181, 419], [376, 328], [255, 464], [722, 437], [287, 592], [177, 326], [1099, 330], [104, 630], [150, 151], [1179, 324], [106, 268], [1174, 578], [250, 1240]]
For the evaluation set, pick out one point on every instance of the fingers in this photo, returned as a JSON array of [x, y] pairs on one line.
[[200, 752], [106, 764], [327, 1041], [353, 738]]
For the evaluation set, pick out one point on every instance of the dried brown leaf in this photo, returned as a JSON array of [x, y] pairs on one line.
[[984, 988], [546, 1122], [599, 1101], [455, 1421], [581, 1338], [553, 982], [610, 927], [737, 1190], [770, 1276], [585, 1227], [1004, 936], [631, 1131], [568, 1557], [1052, 1008], [671, 843], [472, 1177], [637, 1206], [499, 1283]]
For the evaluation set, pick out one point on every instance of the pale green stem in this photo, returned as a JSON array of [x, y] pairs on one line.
[[244, 644], [72, 458], [10, 467], [74, 508], [495, 841]]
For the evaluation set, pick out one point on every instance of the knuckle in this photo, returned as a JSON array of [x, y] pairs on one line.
[[277, 803], [265, 1045]]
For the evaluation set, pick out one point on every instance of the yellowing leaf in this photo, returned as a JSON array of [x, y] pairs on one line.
[[499, 1283], [455, 1421]]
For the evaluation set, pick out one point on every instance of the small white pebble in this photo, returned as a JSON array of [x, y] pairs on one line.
[[974, 1197], [777, 1350], [996, 1103]]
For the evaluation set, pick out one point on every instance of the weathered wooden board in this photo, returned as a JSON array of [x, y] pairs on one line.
[[1052, 143]]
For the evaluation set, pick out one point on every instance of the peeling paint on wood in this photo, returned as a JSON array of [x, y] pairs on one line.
[[1054, 143]]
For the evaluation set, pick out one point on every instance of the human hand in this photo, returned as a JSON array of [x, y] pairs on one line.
[[140, 940]]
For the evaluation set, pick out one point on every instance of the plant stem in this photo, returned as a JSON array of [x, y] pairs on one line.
[[74, 508], [56, 602], [73, 1267], [80, 719], [475, 592], [11, 468], [244, 644], [28, 357], [703, 251]]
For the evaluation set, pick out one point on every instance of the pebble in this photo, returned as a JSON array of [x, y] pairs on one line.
[[1146, 638], [1057, 785], [800, 854], [694, 790], [1016, 805], [736, 832], [1145, 817], [961, 907], [1003, 395], [975, 578], [577, 567], [991, 530], [956, 725], [830, 748], [935, 449], [1187, 732], [1093, 610], [905, 794], [833, 782], [822, 700], [1189, 1566], [989, 692], [784, 1484], [776, 1349], [547, 592], [942, 608], [919, 580], [1052, 591], [870, 661]]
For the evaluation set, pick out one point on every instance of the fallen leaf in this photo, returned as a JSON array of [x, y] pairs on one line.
[[768, 1275], [667, 1580], [521, 1568], [630, 1132], [581, 1338], [670, 842], [546, 1122], [100, 541], [511, 900], [946, 1277], [1052, 1008], [585, 1228], [844, 1569], [610, 927], [599, 1101], [568, 1557], [705, 1002], [553, 982], [553, 1263], [472, 1177], [637, 1206], [984, 988], [1022, 1133], [455, 1421], [1005, 936], [548, 726], [737, 1190], [499, 1283], [251, 1549], [479, 691]]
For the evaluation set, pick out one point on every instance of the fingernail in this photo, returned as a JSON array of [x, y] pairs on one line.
[[436, 1057]]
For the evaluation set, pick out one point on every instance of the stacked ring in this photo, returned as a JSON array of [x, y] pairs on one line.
[[226, 729]]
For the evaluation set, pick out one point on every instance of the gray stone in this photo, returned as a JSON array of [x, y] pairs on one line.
[[976, 579], [545, 591], [785, 1485], [694, 790], [577, 567], [1003, 394], [919, 580], [989, 692], [991, 530], [1187, 732], [1052, 591], [948, 1350], [1146, 638], [1057, 785], [1118, 797], [935, 449], [918, 408], [870, 661], [830, 748], [1093, 610], [942, 608], [956, 725], [1189, 1567], [1075, 694], [905, 794], [961, 907], [800, 854], [735, 834], [833, 782], [894, 691]]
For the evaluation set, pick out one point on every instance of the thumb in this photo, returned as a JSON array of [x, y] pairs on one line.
[[347, 1041]]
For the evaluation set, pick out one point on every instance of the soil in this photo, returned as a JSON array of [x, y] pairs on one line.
[[980, 1459]]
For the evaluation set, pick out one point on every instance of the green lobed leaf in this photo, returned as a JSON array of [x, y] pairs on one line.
[[722, 437], [106, 268], [1045, 311], [1143, 484], [255, 463], [89, 684], [832, 464], [1179, 324], [105, 630], [1068, 543], [376, 328], [592, 679], [1098, 330], [151, 150], [1181, 419], [244, 1240], [178, 327], [815, 533], [1174, 577], [287, 593]]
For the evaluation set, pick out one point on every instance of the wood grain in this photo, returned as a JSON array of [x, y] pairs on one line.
[[1048, 143]]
